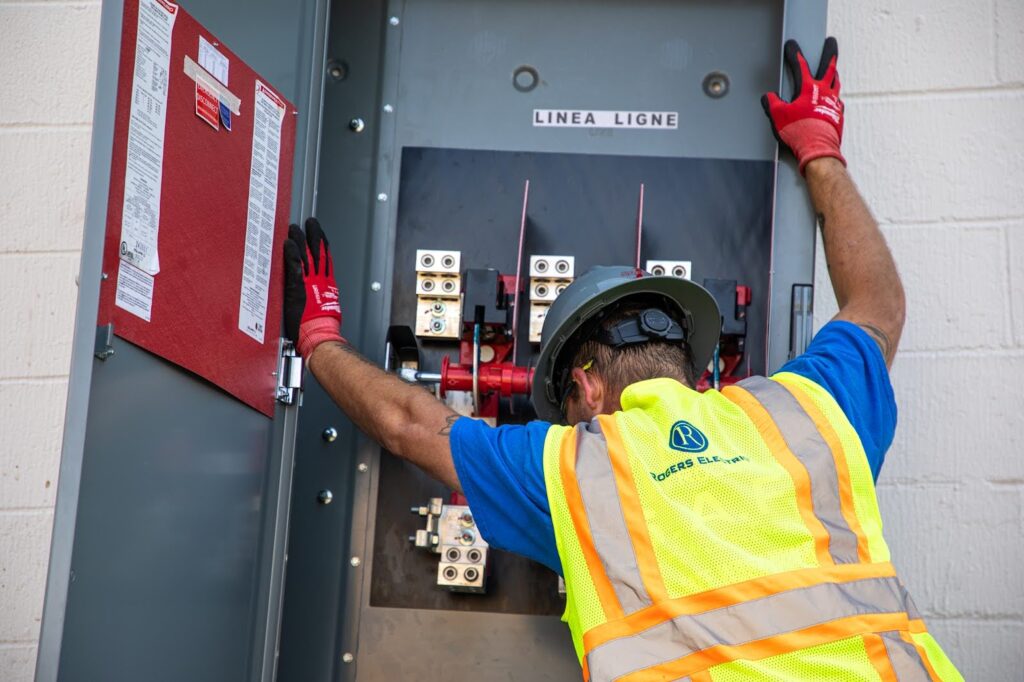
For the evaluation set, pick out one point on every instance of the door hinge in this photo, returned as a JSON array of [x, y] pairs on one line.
[[289, 374], [104, 347]]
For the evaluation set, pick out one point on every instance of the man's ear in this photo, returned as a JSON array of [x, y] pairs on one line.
[[590, 388]]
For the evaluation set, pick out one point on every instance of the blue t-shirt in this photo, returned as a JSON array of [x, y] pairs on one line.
[[502, 470]]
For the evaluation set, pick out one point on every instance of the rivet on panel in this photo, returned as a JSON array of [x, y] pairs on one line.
[[347, 657], [388, 108], [393, 21], [325, 497], [356, 125], [330, 434], [382, 197], [363, 467], [375, 286], [355, 561]]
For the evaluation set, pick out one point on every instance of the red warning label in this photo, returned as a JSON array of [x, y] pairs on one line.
[[207, 105]]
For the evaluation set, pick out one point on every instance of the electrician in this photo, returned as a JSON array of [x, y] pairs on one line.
[[715, 535]]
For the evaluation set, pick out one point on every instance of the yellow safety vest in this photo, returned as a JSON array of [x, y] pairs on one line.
[[729, 535]]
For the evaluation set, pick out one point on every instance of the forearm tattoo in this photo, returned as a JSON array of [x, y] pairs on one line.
[[880, 338]]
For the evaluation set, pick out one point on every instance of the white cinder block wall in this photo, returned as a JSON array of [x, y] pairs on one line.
[[935, 138]]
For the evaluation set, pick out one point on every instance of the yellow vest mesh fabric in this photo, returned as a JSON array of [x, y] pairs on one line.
[[712, 523], [940, 663], [582, 605], [865, 503], [845, 660]]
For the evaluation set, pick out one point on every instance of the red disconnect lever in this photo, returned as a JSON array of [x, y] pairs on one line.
[[743, 295], [503, 377]]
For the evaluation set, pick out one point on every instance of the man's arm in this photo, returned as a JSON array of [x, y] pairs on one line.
[[861, 267], [406, 419], [863, 273]]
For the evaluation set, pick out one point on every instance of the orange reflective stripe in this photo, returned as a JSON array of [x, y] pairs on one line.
[[730, 595], [822, 633], [879, 658], [801, 479], [636, 522], [828, 432], [917, 626], [567, 470], [702, 676]]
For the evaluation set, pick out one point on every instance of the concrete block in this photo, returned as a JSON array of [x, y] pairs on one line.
[[32, 416], [982, 650], [1010, 40], [42, 188], [17, 662], [48, 53], [957, 547], [39, 296], [959, 418], [890, 46], [24, 553], [1015, 258], [956, 286], [943, 158]]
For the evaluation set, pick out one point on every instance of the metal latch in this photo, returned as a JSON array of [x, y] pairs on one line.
[[289, 374], [104, 347]]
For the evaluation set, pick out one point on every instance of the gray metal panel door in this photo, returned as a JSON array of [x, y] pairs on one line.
[[171, 520]]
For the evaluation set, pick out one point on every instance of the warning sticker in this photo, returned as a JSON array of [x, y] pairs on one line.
[[207, 104], [134, 290], [268, 115], [140, 213], [586, 118]]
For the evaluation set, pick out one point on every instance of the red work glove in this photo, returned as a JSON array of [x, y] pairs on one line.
[[812, 124], [312, 311]]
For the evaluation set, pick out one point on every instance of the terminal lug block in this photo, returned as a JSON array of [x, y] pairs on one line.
[[438, 294], [452, 533], [549, 276], [671, 268]]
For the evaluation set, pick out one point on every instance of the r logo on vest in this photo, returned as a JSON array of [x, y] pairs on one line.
[[686, 437]]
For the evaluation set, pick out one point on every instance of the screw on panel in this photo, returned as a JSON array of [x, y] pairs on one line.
[[363, 468], [388, 108], [375, 286], [393, 21], [382, 197], [347, 657], [337, 70], [104, 275], [330, 434], [355, 561], [357, 125], [325, 497]]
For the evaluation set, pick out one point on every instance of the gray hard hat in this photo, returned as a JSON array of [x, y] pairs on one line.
[[594, 294]]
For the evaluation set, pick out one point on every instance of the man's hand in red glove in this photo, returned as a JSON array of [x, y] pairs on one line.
[[812, 124], [312, 311]]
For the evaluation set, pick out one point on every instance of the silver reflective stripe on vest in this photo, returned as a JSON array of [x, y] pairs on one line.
[[905, 658], [807, 444], [604, 514], [769, 616]]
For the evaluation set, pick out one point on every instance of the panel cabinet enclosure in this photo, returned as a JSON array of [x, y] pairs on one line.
[[460, 103]]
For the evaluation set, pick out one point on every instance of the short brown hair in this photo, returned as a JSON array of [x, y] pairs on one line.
[[620, 367]]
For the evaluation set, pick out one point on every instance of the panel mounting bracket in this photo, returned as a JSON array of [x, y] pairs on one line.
[[104, 347], [289, 374]]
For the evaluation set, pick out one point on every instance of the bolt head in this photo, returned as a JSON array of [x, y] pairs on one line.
[[375, 286], [325, 497], [330, 434], [363, 467], [393, 21], [356, 125], [388, 108], [355, 561], [347, 657], [382, 197]]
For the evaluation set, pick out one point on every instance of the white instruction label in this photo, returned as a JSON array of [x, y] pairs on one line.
[[211, 59], [140, 215], [134, 290], [585, 118], [268, 114]]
